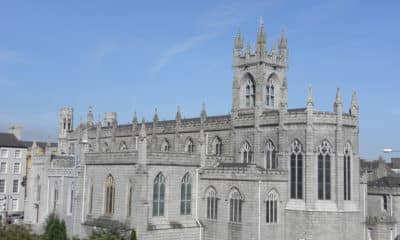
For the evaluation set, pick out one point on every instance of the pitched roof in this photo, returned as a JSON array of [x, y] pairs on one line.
[[389, 181], [10, 140], [43, 145]]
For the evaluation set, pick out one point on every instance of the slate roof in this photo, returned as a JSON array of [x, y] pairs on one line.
[[389, 181], [9, 140], [43, 145]]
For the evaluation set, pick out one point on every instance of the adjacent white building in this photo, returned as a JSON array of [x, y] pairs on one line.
[[12, 172]]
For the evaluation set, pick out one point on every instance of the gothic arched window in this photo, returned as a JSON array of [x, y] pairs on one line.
[[271, 161], [212, 204], [159, 195], [347, 171], [129, 201], [250, 93], [55, 197], [189, 146], [186, 195], [324, 171], [217, 146], [235, 206], [109, 195], [296, 170], [165, 146], [270, 92], [90, 203], [246, 153], [272, 207]]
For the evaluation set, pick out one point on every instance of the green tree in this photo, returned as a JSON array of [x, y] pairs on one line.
[[133, 235], [55, 229]]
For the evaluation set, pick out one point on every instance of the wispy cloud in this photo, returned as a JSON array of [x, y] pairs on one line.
[[211, 24], [179, 48]]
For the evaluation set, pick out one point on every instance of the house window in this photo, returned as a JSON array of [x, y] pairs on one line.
[[212, 204], [186, 195], [324, 171], [235, 206], [217, 146], [296, 171], [165, 146], [14, 204], [4, 153], [18, 153], [347, 172], [270, 93], [250, 93], [17, 168], [130, 192], [272, 208], [3, 167], [271, 161], [2, 185], [159, 195], [246, 153], [189, 146], [15, 186], [110, 195]]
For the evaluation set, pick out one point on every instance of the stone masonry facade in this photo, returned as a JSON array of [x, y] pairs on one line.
[[261, 172]]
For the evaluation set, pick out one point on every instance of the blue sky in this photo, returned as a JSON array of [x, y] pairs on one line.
[[140, 55]]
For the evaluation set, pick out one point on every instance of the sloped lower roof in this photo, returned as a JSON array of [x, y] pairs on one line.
[[9, 140], [389, 181]]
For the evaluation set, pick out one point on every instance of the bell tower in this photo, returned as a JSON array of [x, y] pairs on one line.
[[66, 122], [259, 76]]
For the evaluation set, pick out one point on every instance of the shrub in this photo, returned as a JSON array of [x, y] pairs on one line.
[[55, 229], [16, 232]]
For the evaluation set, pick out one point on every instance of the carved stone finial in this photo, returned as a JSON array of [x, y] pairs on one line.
[[178, 116], [338, 98], [142, 132], [155, 118], [310, 100]]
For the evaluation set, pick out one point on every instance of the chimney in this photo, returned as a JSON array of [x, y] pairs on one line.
[[16, 130]]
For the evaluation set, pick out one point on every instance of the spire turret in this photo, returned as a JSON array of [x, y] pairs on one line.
[[238, 41], [283, 41], [354, 104], [261, 38], [248, 50], [142, 132], [338, 102], [155, 118], [134, 120], [283, 50], [310, 100], [89, 120], [203, 114], [178, 116]]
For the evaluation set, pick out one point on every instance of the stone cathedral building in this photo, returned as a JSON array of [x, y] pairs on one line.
[[264, 171]]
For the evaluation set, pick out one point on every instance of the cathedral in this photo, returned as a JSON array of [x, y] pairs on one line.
[[264, 171]]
